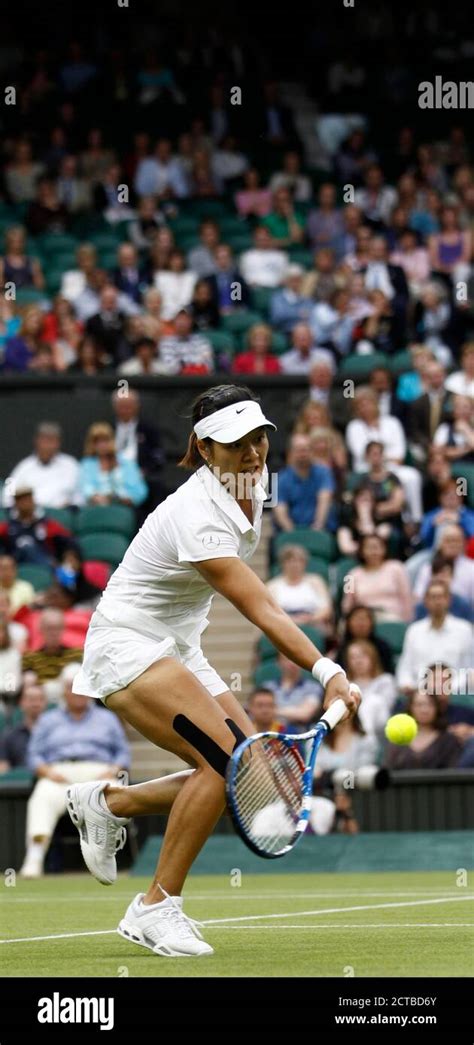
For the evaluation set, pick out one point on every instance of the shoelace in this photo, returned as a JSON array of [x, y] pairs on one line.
[[115, 841], [184, 925]]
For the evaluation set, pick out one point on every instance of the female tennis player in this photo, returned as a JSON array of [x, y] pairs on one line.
[[143, 659]]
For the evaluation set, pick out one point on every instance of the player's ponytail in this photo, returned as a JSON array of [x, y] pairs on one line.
[[192, 457], [207, 403]]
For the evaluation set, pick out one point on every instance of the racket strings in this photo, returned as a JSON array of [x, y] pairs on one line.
[[268, 792]]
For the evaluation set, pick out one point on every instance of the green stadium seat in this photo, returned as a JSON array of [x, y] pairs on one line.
[[352, 480], [39, 576], [108, 259], [316, 542], [54, 276], [185, 225], [232, 225], [315, 565], [465, 700], [359, 367], [187, 241], [56, 243], [300, 256], [393, 632], [64, 516], [30, 296], [465, 471], [221, 341], [200, 209], [266, 672], [279, 343], [104, 241], [266, 649], [240, 241], [98, 519], [105, 547], [400, 363], [17, 775], [338, 573], [240, 321], [261, 297]]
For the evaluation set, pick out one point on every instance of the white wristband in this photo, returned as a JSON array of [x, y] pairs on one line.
[[325, 669]]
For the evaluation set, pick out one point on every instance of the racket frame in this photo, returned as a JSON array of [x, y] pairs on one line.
[[327, 722]]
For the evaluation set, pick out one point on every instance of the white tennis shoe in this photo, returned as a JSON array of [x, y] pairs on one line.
[[164, 928], [102, 833]]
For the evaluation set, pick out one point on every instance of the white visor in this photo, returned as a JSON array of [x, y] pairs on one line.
[[232, 422]]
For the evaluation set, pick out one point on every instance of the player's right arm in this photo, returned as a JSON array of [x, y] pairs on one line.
[[240, 585]]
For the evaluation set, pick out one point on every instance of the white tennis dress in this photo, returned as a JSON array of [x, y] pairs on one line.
[[156, 604]]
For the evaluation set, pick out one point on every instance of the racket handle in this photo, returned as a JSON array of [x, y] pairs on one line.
[[334, 713]]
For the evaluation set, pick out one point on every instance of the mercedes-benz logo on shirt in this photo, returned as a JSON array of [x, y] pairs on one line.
[[211, 540]]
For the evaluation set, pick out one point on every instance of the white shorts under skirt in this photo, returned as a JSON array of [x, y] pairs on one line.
[[115, 655]]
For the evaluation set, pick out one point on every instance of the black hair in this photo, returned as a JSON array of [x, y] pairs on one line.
[[208, 403]]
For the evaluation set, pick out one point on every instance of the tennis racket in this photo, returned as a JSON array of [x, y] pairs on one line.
[[269, 786]]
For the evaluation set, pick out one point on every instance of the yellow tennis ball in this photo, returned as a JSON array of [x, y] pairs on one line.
[[401, 729]]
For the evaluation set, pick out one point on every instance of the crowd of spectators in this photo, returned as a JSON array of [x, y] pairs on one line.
[[209, 241]]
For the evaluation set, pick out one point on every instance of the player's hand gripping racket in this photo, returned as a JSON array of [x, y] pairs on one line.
[[269, 787]]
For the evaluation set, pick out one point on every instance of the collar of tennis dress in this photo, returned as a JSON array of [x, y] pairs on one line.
[[232, 422]]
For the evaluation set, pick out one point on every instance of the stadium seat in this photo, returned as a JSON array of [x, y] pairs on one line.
[[393, 632], [465, 471], [16, 775], [279, 343], [54, 277], [240, 321], [316, 542], [104, 241], [359, 367], [338, 573], [266, 649], [221, 341], [106, 547], [185, 225], [261, 297], [187, 241], [108, 259], [301, 256], [40, 577], [64, 516], [266, 672], [400, 363], [29, 296], [114, 518], [240, 241], [352, 480], [204, 208], [54, 243], [232, 225], [315, 565]]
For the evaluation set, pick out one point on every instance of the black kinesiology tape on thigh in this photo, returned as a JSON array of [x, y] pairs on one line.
[[234, 728], [207, 747]]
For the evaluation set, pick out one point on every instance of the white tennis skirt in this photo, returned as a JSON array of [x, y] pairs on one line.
[[115, 655]]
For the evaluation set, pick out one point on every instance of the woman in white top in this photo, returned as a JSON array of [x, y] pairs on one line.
[[304, 596], [378, 687], [143, 657], [368, 426], [10, 662], [176, 285]]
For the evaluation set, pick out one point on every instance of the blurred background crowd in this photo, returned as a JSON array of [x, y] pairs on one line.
[[181, 197]]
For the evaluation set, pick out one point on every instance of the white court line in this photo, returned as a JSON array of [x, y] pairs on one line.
[[353, 925], [259, 917], [233, 894]]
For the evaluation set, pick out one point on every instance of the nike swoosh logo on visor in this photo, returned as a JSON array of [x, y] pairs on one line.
[[240, 411]]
